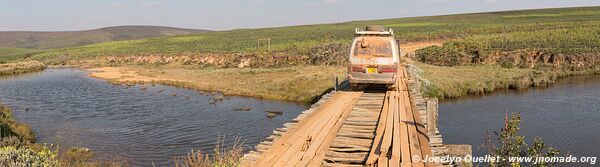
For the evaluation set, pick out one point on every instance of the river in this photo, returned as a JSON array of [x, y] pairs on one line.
[[142, 127], [566, 115]]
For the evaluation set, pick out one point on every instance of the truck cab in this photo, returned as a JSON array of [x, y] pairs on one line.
[[374, 57]]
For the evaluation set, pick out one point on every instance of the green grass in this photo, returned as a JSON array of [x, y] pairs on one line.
[[299, 83], [10, 127], [8, 55], [479, 79], [565, 30]]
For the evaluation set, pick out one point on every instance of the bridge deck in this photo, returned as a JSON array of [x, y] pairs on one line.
[[350, 129]]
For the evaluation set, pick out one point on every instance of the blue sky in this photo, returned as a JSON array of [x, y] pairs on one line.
[[61, 15]]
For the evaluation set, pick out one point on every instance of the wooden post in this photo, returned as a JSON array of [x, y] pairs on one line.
[[335, 83], [268, 40], [432, 116]]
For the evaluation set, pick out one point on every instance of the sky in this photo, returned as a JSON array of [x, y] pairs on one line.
[[66, 15]]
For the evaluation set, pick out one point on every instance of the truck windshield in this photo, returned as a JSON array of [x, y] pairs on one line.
[[373, 47]]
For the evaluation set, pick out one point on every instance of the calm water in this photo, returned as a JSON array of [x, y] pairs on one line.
[[65, 107], [566, 115]]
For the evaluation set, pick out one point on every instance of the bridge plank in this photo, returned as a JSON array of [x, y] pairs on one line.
[[406, 151], [413, 138], [315, 157], [282, 144], [316, 134], [395, 159], [386, 142], [374, 153]]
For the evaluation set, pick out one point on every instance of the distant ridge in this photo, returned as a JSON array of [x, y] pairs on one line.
[[60, 39]]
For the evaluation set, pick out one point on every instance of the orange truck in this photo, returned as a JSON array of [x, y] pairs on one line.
[[374, 57]]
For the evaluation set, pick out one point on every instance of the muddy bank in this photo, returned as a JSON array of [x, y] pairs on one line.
[[299, 83], [460, 54], [21, 67], [333, 54]]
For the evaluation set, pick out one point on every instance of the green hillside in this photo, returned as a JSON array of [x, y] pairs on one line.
[[564, 30], [61, 39], [13, 54]]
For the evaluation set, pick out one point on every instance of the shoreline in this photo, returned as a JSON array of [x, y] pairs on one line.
[[304, 84], [21, 67], [448, 82], [459, 81]]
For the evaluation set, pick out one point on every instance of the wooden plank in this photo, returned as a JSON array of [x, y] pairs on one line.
[[315, 134], [423, 139], [404, 141], [374, 153], [386, 142], [282, 145], [395, 159], [383, 161], [316, 158], [412, 130], [351, 141]]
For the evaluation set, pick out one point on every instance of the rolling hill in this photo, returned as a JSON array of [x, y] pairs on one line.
[[559, 30], [61, 39]]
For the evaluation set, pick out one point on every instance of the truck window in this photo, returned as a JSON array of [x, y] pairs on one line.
[[373, 47]]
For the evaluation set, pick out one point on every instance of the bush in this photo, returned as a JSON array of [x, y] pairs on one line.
[[12, 156], [451, 54], [511, 144], [222, 157], [78, 154], [12, 141]]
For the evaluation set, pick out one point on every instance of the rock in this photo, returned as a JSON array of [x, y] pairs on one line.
[[276, 112], [219, 98], [243, 109], [272, 115]]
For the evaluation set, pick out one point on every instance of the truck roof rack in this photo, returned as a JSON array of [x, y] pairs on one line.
[[360, 32]]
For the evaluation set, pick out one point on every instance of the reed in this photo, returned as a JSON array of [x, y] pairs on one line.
[[221, 157]]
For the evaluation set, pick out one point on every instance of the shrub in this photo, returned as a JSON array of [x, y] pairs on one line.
[[222, 157], [450, 54], [12, 141], [12, 156], [78, 154], [511, 144]]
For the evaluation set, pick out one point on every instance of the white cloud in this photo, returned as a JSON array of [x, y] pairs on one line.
[[257, 1], [151, 4]]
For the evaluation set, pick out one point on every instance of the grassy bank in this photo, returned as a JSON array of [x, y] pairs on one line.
[[478, 79], [21, 67], [8, 55], [10, 127], [300, 83]]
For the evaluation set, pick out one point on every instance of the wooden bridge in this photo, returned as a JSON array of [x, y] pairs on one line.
[[349, 128]]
